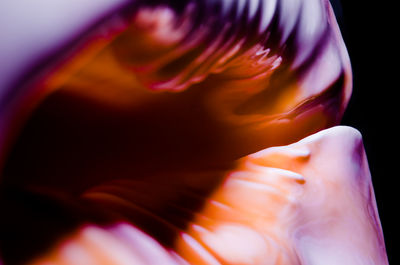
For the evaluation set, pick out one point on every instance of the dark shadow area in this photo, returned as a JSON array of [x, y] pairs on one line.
[[71, 145], [34, 221]]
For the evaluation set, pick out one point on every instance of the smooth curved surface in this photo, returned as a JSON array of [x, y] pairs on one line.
[[286, 205]]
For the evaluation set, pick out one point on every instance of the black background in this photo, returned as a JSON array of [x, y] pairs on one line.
[[369, 33]]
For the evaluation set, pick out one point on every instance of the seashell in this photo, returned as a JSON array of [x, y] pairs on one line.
[[169, 132]]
